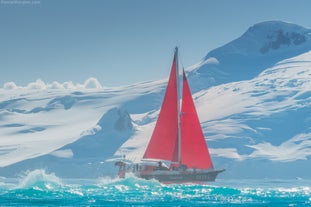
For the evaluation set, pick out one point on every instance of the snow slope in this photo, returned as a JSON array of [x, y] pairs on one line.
[[254, 109], [37, 122]]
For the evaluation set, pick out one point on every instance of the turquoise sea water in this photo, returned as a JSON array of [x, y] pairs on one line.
[[38, 188]]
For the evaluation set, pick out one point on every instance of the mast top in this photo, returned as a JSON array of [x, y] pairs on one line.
[[176, 56]]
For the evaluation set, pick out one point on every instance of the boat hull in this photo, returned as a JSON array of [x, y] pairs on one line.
[[181, 177]]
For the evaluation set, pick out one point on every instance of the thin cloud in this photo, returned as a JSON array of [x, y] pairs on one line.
[[90, 83], [10, 86]]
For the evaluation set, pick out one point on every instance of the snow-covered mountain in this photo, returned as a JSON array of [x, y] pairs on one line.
[[260, 47], [253, 97]]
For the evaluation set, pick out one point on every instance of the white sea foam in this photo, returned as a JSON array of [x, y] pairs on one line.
[[37, 178]]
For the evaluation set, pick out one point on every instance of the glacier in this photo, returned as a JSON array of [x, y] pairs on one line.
[[253, 97]]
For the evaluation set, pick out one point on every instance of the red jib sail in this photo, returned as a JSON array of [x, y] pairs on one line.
[[163, 142], [194, 151]]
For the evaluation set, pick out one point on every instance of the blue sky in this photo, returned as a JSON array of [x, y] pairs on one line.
[[123, 41]]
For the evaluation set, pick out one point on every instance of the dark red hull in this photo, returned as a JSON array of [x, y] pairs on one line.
[[180, 176]]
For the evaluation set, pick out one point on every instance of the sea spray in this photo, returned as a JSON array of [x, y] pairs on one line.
[[39, 188], [40, 179]]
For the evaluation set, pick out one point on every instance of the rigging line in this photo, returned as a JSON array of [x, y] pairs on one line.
[[181, 64]]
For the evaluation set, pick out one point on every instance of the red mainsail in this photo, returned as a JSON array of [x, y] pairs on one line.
[[163, 142], [194, 151]]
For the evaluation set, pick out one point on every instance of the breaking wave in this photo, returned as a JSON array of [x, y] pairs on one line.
[[39, 179], [39, 188]]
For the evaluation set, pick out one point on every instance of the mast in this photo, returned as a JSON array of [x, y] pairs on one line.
[[178, 108]]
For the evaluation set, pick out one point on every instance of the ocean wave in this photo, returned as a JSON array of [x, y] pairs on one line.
[[39, 188], [39, 179]]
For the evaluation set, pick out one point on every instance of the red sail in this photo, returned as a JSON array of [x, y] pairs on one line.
[[163, 143], [194, 151]]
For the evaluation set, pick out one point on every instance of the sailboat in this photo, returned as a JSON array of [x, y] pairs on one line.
[[177, 151]]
